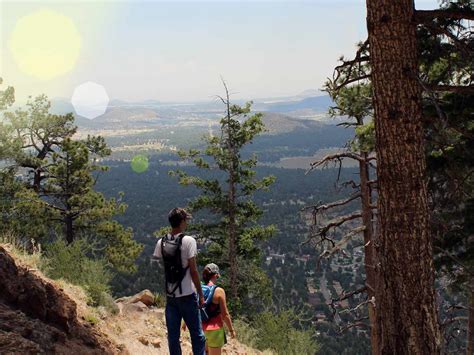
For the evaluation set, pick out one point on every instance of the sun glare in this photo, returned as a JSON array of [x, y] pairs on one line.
[[45, 44]]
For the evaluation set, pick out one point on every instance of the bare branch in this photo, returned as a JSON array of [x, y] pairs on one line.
[[459, 89], [332, 157], [349, 310], [350, 81], [422, 16], [339, 221], [345, 295], [358, 323], [317, 208], [341, 243]]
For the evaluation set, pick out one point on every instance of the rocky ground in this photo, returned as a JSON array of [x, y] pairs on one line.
[[140, 328], [38, 315]]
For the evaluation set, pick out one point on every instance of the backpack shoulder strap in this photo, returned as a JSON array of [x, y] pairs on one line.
[[210, 296]]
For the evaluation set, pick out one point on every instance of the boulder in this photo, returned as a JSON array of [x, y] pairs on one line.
[[146, 297]]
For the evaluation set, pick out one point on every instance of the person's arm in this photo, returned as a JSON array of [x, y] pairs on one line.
[[195, 277], [224, 310]]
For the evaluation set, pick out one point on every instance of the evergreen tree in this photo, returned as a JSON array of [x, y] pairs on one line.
[[232, 238], [445, 61], [53, 193]]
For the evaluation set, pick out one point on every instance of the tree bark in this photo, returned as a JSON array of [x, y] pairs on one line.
[[232, 207], [405, 296], [470, 322], [369, 255], [69, 228]]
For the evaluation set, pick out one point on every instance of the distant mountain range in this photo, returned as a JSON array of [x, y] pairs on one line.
[[152, 113], [317, 104]]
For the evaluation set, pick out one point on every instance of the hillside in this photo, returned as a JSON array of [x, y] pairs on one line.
[[39, 315], [277, 123]]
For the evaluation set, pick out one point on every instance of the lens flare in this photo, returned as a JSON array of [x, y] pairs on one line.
[[90, 100], [45, 44], [139, 164]]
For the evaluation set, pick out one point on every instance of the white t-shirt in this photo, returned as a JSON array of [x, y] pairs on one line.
[[188, 251]]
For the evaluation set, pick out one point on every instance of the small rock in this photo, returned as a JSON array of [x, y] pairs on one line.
[[156, 343], [143, 340], [122, 299], [121, 347], [134, 307]]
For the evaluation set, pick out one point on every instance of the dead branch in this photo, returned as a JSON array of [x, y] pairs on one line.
[[459, 89], [332, 157], [344, 296], [350, 310], [318, 208], [358, 323], [338, 222], [351, 81], [351, 183], [422, 16], [327, 253], [347, 68]]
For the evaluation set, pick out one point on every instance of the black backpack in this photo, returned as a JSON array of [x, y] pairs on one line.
[[174, 271]]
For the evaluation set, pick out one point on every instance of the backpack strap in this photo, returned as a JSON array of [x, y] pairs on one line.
[[211, 294]]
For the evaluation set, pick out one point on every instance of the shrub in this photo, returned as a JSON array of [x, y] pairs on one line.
[[277, 332], [159, 300], [245, 333], [91, 319], [27, 252], [72, 263]]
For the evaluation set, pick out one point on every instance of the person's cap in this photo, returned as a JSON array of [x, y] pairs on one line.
[[212, 268]]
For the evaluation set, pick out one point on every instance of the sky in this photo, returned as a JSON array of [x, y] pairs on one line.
[[176, 51]]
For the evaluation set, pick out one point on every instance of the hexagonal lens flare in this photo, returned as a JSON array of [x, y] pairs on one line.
[[90, 100]]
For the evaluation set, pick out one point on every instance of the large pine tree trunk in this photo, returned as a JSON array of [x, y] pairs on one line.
[[405, 297]]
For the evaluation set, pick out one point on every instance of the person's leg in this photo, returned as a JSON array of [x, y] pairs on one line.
[[192, 318], [173, 324]]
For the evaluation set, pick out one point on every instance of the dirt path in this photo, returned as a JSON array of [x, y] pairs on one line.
[[145, 333]]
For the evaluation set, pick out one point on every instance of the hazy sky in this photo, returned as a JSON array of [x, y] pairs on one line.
[[177, 51]]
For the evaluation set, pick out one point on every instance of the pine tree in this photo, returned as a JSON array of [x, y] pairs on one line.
[[55, 186], [444, 66], [232, 238]]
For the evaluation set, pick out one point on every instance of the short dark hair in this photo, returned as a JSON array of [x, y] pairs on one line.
[[177, 215], [207, 276]]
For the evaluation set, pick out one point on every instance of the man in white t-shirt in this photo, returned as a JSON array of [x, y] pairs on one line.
[[185, 298]]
